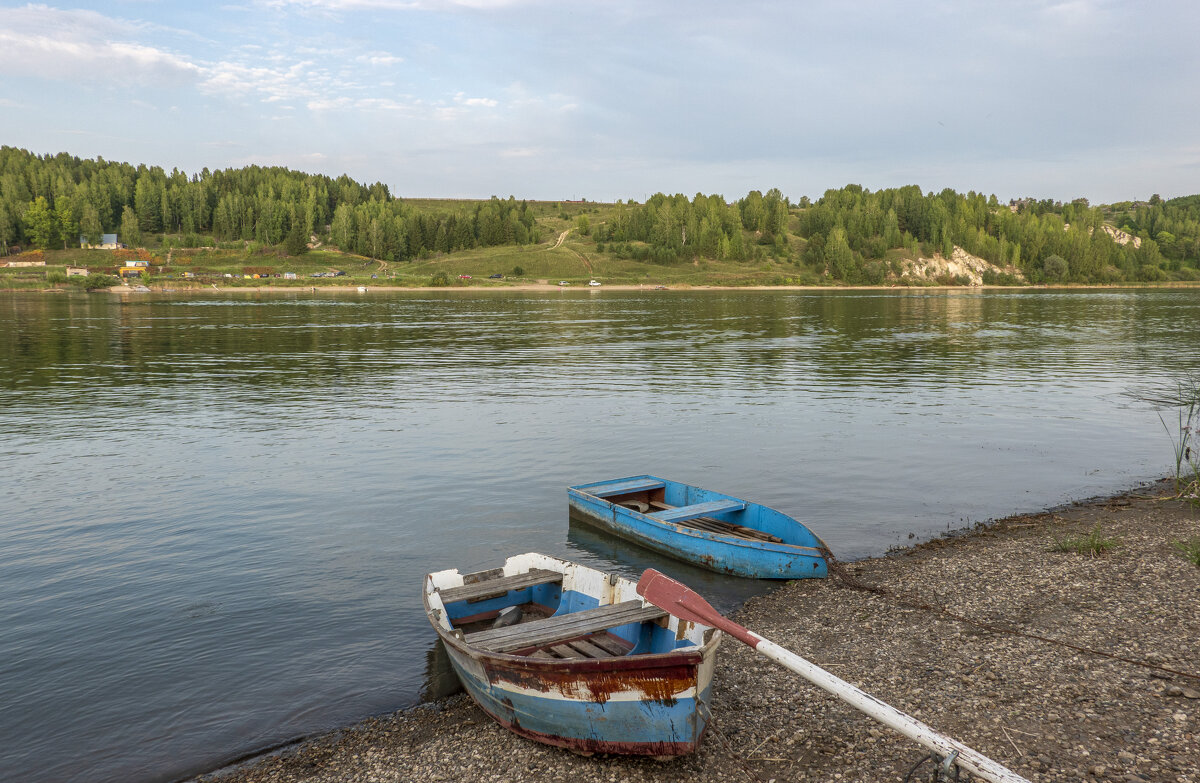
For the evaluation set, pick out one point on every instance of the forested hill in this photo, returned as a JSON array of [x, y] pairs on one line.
[[852, 232], [850, 235], [50, 201]]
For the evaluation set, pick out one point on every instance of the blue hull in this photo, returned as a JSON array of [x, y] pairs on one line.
[[664, 516], [597, 711], [591, 676]]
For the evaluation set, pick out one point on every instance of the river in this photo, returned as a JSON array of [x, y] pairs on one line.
[[217, 508]]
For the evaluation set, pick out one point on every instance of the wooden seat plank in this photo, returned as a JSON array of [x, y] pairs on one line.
[[561, 628], [694, 510], [494, 587], [623, 487]]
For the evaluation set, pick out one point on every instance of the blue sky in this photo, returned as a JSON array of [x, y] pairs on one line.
[[623, 98]]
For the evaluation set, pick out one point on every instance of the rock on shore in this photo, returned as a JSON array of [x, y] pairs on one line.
[[1045, 710]]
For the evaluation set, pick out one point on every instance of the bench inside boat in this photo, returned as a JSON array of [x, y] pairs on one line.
[[553, 623], [647, 496]]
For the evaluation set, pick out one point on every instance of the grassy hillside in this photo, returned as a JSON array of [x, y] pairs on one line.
[[567, 249], [577, 259]]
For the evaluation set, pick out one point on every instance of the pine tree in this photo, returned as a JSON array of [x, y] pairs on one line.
[[131, 233], [89, 225], [296, 243], [64, 215], [838, 255]]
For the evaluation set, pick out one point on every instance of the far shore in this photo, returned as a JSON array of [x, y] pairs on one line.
[[376, 287]]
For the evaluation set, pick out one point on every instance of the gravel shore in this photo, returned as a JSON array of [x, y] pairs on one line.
[[1047, 711]]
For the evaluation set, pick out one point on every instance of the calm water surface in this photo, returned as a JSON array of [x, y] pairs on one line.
[[216, 510]]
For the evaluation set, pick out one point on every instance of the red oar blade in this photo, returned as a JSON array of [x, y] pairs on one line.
[[686, 604]]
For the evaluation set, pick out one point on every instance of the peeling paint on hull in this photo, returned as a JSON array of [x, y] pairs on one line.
[[646, 707], [652, 700]]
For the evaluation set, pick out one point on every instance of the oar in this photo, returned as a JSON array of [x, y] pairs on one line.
[[677, 599]]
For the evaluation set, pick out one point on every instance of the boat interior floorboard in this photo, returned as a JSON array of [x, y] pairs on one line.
[[710, 525], [598, 645]]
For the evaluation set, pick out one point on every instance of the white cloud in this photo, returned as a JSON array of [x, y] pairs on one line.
[[43, 41], [345, 103], [295, 81], [462, 100], [379, 58], [87, 47]]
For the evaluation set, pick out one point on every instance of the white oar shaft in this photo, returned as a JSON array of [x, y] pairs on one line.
[[943, 746]]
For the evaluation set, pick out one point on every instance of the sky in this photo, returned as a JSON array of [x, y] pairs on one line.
[[617, 99]]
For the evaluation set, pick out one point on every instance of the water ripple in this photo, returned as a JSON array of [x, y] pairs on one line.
[[218, 509]]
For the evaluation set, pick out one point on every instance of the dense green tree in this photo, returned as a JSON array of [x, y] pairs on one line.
[[839, 257], [41, 224], [68, 225], [375, 236], [296, 243], [342, 232], [131, 232], [6, 229], [89, 224], [1055, 267], [148, 203]]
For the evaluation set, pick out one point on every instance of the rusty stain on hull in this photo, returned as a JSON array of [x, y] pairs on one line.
[[660, 681]]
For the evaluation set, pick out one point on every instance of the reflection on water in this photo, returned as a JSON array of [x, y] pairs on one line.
[[217, 510], [440, 679]]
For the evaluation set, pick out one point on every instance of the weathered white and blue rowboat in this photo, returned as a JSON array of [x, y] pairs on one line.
[[582, 662], [715, 531]]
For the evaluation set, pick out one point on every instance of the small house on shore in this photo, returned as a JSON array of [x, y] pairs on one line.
[[107, 242], [77, 271], [134, 267]]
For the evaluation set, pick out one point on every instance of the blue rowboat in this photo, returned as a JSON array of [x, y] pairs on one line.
[[570, 656], [718, 532]]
